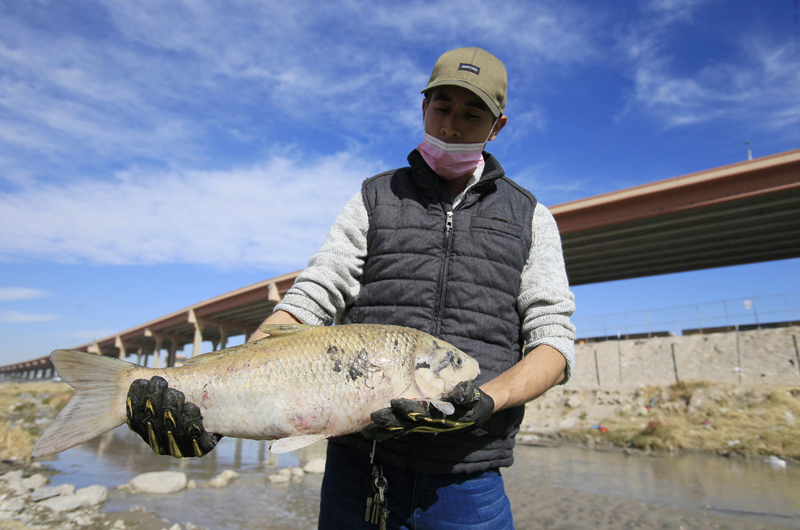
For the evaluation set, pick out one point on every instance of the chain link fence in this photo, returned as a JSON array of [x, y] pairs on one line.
[[756, 312]]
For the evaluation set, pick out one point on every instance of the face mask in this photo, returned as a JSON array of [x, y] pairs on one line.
[[451, 161]]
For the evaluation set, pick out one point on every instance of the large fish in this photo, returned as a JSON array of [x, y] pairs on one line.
[[299, 385]]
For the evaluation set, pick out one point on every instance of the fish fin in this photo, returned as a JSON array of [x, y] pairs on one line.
[[293, 443], [444, 407], [281, 330], [94, 409]]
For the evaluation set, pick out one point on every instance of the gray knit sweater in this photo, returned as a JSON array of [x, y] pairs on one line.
[[332, 279]]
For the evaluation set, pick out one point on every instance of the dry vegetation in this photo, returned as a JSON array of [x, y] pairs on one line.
[[703, 416], [25, 410]]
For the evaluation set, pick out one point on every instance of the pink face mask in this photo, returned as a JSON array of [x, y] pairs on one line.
[[451, 161]]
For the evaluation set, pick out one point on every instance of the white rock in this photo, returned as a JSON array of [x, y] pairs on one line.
[[573, 402], [176, 526], [35, 482], [13, 480], [315, 465], [13, 505], [223, 479], [52, 491], [93, 495], [11, 476], [775, 462], [297, 473], [119, 524], [159, 482], [63, 503], [83, 520], [284, 475]]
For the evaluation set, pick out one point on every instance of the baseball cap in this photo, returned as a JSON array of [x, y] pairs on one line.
[[476, 70]]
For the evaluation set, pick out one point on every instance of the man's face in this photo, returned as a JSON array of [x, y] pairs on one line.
[[455, 115]]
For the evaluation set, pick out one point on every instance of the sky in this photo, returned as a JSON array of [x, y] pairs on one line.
[[156, 154]]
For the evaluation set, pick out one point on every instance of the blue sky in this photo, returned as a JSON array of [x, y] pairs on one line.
[[154, 154]]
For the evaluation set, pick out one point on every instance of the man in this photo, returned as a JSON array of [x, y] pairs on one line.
[[452, 247]]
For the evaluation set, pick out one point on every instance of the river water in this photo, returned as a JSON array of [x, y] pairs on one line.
[[750, 489]]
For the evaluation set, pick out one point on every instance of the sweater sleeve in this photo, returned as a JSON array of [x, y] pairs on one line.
[[332, 278], [545, 302]]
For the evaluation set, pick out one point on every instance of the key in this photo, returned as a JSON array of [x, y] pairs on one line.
[[375, 510], [380, 512], [384, 518], [368, 515], [368, 490]]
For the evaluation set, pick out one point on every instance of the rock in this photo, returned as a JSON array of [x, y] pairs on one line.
[[223, 479], [93, 495], [12, 505], [315, 465], [297, 473], [176, 526], [191, 485], [573, 402], [159, 482], [11, 476], [83, 520], [64, 503], [775, 462], [119, 524], [35, 482], [13, 480], [284, 475], [52, 491]]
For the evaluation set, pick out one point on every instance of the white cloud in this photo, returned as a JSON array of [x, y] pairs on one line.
[[274, 214], [19, 317], [20, 293], [670, 11], [755, 85], [156, 80]]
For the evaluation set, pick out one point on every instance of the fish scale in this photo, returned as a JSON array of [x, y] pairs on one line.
[[299, 385]]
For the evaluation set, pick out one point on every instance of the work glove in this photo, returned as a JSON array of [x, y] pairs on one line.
[[169, 425], [472, 408]]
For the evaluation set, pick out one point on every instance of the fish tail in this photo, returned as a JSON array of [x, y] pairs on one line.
[[98, 405]]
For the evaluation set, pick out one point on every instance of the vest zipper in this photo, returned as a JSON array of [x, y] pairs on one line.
[[448, 226]]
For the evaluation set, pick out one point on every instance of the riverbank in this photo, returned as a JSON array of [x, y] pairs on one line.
[[753, 421], [725, 419]]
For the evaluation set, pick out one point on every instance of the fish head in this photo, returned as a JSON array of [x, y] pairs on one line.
[[439, 366]]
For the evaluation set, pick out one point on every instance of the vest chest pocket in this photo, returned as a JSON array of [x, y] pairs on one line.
[[497, 225]]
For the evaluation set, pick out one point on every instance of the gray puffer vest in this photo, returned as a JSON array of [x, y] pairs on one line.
[[453, 273]]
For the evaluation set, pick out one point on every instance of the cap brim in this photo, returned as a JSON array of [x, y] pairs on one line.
[[472, 88]]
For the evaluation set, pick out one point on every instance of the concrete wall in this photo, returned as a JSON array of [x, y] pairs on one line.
[[766, 355]]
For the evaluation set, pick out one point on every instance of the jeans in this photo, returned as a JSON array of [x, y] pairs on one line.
[[416, 501]]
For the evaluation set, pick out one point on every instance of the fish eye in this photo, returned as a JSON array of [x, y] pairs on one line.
[[457, 362]]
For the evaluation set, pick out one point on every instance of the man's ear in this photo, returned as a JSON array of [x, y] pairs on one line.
[[501, 122]]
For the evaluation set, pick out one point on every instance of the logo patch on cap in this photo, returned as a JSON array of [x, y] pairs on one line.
[[469, 68]]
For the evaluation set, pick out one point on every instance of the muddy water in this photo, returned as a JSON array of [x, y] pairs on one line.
[[750, 490]]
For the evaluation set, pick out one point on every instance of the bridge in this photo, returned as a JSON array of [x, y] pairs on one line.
[[742, 213]]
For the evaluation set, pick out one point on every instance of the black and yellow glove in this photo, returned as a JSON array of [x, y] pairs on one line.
[[169, 425], [472, 408]]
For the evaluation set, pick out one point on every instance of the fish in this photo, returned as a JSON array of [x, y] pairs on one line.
[[299, 385]]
